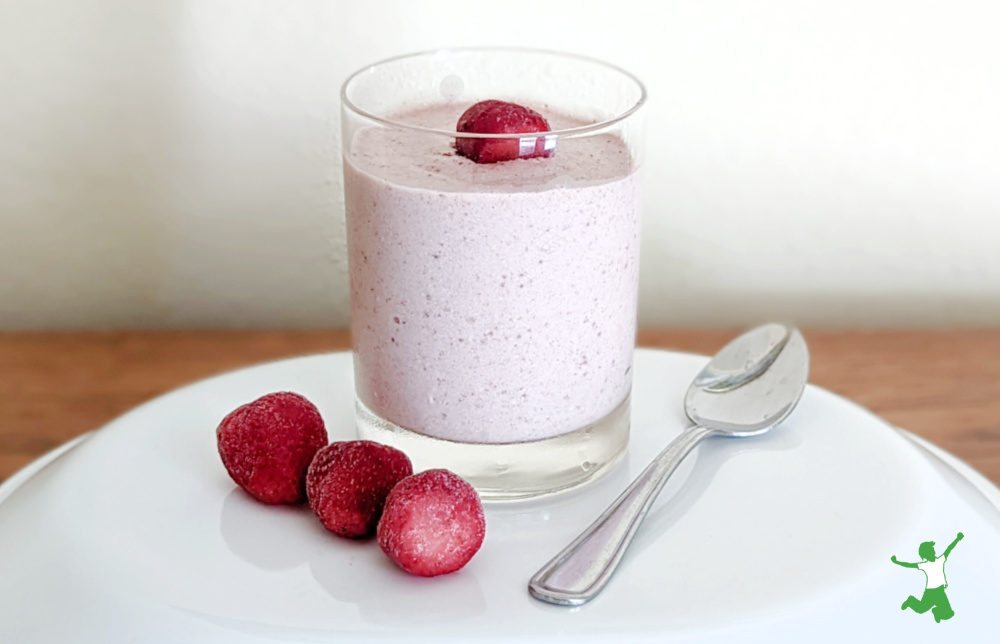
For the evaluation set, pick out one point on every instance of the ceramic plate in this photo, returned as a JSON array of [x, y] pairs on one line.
[[137, 533]]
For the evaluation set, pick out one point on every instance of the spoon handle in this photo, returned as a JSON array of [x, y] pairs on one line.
[[580, 571]]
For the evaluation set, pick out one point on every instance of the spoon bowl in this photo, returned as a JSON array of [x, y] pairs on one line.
[[777, 358], [751, 385]]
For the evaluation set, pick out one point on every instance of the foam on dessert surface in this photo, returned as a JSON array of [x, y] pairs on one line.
[[420, 159]]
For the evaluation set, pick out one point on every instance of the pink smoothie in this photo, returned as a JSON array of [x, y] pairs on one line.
[[491, 303]]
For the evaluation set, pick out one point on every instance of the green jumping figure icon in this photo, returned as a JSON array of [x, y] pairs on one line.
[[933, 568]]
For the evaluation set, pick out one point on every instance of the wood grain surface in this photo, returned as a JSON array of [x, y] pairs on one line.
[[942, 385]]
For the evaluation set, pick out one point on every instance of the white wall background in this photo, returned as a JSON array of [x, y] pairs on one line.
[[167, 164]]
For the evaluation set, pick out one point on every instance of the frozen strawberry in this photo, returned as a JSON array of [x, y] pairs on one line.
[[347, 484], [433, 523], [267, 445], [500, 117]]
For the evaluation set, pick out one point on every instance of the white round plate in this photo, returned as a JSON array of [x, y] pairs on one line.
[[136, 533]]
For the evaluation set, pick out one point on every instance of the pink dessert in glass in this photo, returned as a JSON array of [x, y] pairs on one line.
[[491, 303]]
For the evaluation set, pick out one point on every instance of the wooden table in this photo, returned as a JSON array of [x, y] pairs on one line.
[[942, 385]]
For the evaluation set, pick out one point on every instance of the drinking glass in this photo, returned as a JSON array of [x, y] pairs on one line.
[[494, 304]]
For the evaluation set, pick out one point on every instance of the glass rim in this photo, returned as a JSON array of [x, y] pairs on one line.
[[346, 102]]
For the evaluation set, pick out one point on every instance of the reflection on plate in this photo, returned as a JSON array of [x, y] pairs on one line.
[[137, 531]]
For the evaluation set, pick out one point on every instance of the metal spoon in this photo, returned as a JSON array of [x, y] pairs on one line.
[[750, 386]]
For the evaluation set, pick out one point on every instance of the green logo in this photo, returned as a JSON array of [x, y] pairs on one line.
[[934, 598]]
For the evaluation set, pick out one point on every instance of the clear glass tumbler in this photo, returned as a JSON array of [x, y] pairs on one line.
[[494, 304]]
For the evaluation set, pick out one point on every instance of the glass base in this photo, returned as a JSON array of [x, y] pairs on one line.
[[512, 471]]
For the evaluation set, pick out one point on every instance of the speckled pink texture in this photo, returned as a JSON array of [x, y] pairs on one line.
[[491, 303]]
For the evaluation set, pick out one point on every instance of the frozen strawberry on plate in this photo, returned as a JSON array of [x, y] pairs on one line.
[[348, 482], [501, 117], [433, 523], [267, 445]]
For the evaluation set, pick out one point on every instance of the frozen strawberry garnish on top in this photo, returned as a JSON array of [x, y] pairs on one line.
[[501, 117], [267, 445], [348, 482], [433, 523]]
